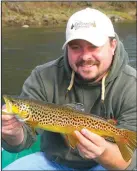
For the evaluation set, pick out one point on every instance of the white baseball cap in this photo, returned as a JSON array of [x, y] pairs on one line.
[[90, 25]]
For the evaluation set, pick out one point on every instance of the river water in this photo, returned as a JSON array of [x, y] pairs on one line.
[[23, 49]]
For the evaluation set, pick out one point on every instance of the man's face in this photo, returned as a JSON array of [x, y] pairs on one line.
[[88, 61]]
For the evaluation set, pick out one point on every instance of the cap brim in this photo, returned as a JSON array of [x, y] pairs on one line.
[[96, 39]]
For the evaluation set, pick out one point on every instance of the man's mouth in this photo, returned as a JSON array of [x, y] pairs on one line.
[[87, 64]]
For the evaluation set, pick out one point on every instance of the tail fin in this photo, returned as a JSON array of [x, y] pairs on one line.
[[127, 143]]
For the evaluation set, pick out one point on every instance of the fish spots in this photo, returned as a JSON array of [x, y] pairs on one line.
[[114, 130], [60, 116]]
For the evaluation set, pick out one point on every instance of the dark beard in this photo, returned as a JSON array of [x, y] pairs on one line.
[[88, 62], [86, 79]]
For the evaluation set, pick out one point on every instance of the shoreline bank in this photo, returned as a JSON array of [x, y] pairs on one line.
[[56, 14]]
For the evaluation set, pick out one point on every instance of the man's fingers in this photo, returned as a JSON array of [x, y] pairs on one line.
[[85, 142], [84, 153], [7, 117], [9, 122], [96, 139], [81, 150], [88, 145], [10, 129], [14, 125], [9, 132]]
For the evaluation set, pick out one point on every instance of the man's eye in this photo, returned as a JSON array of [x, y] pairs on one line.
[[75, 47], [93, 46]]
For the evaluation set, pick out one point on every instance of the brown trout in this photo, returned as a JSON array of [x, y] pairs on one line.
[[65, 120]]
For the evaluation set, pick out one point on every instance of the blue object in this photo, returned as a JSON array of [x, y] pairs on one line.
[[8, 157], [38, 161]]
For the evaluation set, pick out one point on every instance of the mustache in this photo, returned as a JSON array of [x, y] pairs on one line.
[[88, 62]]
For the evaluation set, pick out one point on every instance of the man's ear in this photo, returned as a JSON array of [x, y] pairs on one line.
[[113, 45]]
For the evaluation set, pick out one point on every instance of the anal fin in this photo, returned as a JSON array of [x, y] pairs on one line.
[[71, 140]]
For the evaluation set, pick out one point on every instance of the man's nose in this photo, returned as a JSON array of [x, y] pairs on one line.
[[86, 55]]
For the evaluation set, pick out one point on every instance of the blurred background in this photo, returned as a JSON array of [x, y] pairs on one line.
[[33, 33]]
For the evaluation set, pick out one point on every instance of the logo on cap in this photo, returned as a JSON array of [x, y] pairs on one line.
[[80, 24]]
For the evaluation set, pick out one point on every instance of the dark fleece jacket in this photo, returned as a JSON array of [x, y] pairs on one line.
[[49, 83]]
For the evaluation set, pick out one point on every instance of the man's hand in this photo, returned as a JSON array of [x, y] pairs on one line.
[[90, 145], [12, 130], [93, 146]]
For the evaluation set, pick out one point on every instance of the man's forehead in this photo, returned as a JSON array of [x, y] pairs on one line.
[[80, 41]]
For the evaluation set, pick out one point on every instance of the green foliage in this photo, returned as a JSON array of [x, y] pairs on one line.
[[48, 13], [121, 5]]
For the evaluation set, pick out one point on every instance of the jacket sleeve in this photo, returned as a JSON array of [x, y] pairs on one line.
[[130, 116], [32, 88], [128, 113]]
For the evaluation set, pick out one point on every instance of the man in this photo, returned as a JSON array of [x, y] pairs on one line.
[[94, 71]]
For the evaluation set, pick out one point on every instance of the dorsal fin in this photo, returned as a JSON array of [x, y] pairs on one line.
[[75, 106]]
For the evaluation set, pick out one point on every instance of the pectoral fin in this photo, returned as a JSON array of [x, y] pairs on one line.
[[71, 140], [33, 125]]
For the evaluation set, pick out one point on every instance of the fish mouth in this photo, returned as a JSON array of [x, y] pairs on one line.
[[8, 104]]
